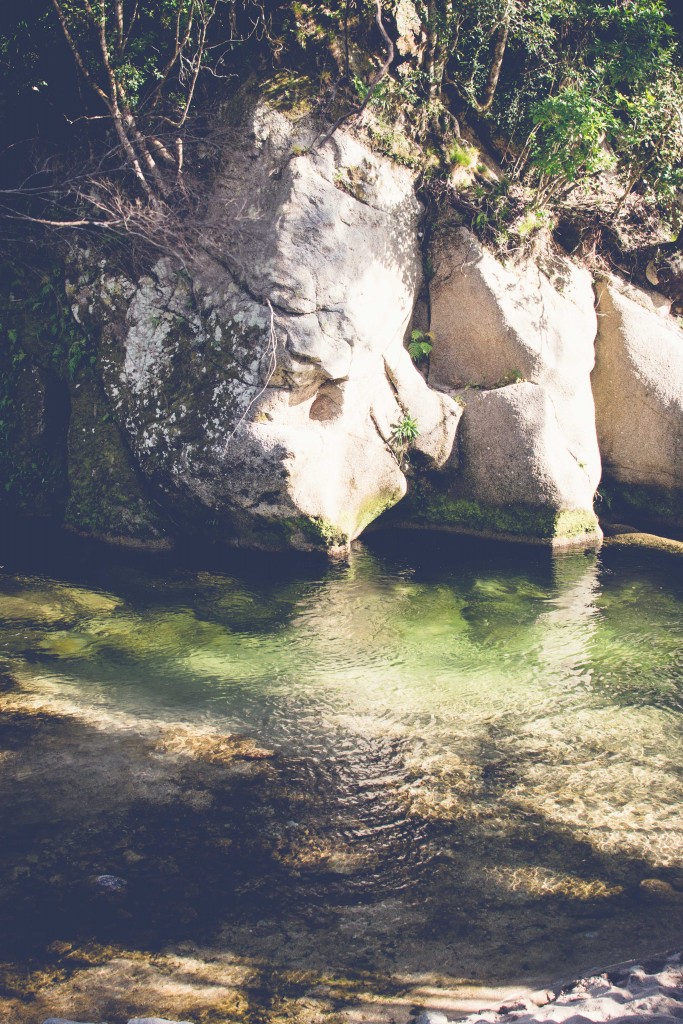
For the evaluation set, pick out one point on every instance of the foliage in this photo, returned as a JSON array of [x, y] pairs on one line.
[[420, 344], [462, 156], [569, 88], [40, 349], [570, 135], [122, 75], [405, 431]]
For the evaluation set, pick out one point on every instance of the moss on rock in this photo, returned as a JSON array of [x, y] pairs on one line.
[[646, 541], [105, 495], [430, 507], [644, 505]]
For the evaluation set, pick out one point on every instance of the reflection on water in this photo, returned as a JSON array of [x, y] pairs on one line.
[[481, 746]]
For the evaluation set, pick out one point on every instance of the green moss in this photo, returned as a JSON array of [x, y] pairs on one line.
[[291, 93], [575, 523], [642, 504], [332, 536], [290, 533], [105, 495], [648, 541], [373, 508], [433, 508]]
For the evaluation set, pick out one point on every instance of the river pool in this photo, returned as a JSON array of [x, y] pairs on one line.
[[433, 775]]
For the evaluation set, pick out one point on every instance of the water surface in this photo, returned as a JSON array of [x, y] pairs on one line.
[[458, 766]]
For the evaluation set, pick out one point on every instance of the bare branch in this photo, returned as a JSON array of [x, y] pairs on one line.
[[133, 19], [180, 44]]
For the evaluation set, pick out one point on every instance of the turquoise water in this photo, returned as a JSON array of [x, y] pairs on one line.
[[480, 744]]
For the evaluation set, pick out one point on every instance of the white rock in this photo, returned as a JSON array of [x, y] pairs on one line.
[[517, 347], [155, 1020], [62, 1020], [431, 1017], [492, 324], [638, 388], [284, 343]]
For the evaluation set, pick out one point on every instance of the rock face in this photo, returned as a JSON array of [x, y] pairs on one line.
[[259, 385], [106, 494], [638, 386], [516, 348], [254, 388]]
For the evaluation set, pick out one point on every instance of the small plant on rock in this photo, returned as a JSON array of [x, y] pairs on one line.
[[511, 377], [403, 433], [420, 344]]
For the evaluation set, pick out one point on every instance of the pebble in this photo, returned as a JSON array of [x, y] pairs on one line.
[[110, 883], [431, 1017], [62, 1020], [541, 996], [155, 1020], [133, 1020], [658, 887]]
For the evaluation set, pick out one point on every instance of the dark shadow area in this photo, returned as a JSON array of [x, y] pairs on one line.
[[225, 845]]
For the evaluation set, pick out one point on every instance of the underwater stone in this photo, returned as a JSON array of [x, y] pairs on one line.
[[155, 1020], [110, 884], [62, 1020], [431, 1017]]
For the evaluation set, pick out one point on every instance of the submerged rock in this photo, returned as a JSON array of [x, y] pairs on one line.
[[110, 885], [62, 1020], [638, 386], [156, 1020]]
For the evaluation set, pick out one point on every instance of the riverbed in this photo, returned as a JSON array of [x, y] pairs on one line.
[[434, 775]]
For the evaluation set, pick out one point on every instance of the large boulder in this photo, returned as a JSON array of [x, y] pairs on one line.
[[638, 388], [515, 346], [259, 382], [494, 325], [515, 477]]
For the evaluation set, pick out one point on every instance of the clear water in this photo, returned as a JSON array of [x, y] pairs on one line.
[[475, 767]]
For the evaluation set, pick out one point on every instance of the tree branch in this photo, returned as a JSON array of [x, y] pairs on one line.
[[381, 74]]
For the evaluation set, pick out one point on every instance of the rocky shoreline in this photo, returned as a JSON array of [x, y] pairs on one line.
[[640, 990], [315, 366]]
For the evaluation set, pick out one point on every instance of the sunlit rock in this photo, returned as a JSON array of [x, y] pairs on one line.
[[638, 386], [515, 347], [259, 384]]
